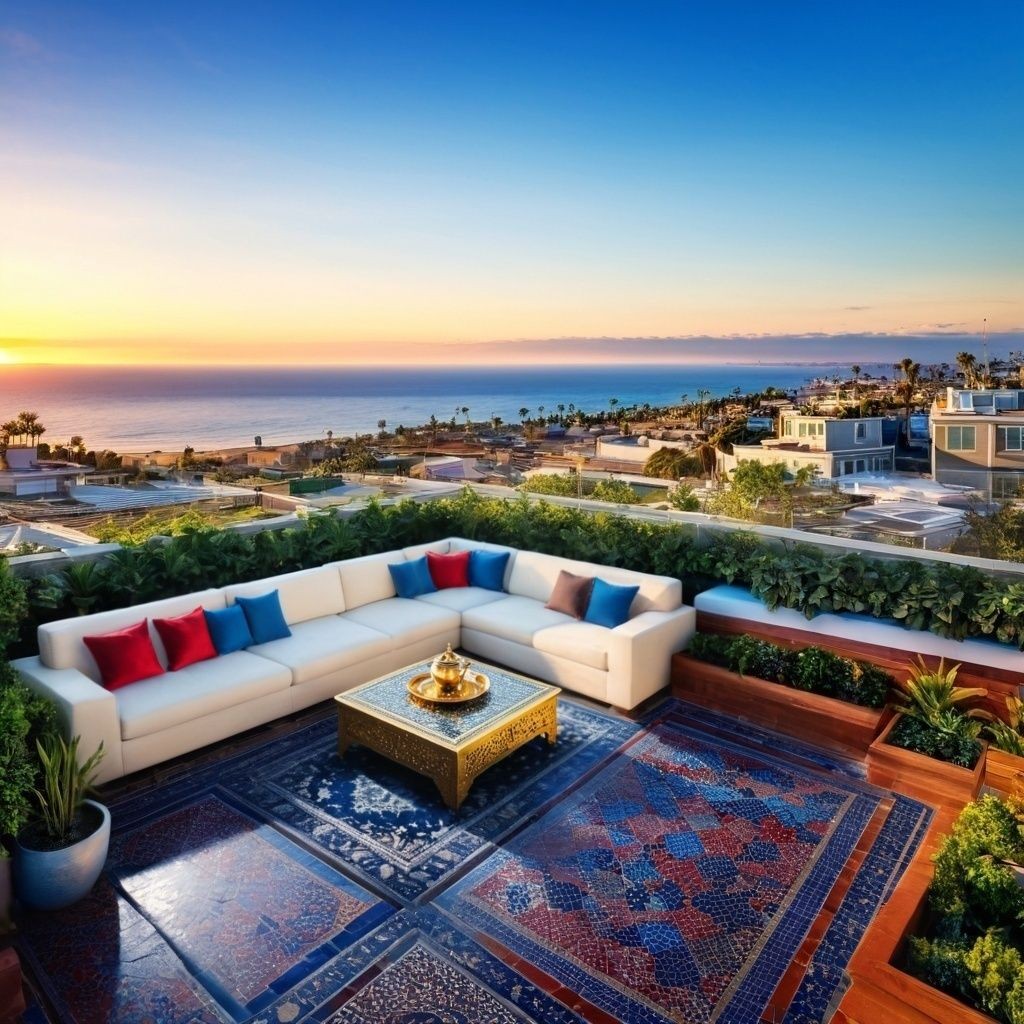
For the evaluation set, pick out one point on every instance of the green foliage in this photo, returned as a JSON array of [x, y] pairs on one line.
[[683, 498], [813, 669], [564, 485], [672, 464], [930, 694], [1007, 736], [13, 606], [24, 719], [954, 740], [65, 784], [753, 486], [973, 946], [616, 491]]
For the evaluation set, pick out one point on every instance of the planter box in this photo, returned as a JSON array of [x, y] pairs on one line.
[[820, 721], [1001, 769], [924, 778]]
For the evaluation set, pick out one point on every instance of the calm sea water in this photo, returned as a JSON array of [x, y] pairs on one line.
[[134, 409]]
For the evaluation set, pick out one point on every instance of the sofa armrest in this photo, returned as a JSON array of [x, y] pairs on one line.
[[84, 708], [640, 653]]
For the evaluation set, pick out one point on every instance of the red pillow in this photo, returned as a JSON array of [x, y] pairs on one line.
[[124, 656], [186, 639], [449, 570]]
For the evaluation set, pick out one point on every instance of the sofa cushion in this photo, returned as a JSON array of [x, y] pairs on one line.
[[307, 594], [487, 569], [461, 599], [320, 646], [513, 618], [201, 689], [406, 621], [583, 642], [411, 578], [186, 639], [229, 629], [462, 544], [124, 656], [609, 603], [265, 617], [534, 574], [367, 579], [570, 594], [449, 570], [60, 643]]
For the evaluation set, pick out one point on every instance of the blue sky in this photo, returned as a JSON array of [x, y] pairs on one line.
[[386, 177]]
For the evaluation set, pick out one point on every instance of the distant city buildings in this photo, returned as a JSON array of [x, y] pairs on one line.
[[978, 440], [831, 446]]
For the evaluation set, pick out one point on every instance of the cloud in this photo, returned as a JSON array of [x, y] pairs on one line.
[[856, 308], [22, 45]]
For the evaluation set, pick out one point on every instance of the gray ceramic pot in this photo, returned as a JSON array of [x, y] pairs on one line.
[[51, 879]]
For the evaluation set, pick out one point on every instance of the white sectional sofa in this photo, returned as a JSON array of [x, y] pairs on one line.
[[348, 626]]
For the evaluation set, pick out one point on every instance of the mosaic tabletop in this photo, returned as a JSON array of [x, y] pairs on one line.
[[451, 724]]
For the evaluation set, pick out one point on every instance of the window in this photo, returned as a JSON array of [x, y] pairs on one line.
[[1011, 439], [860, 431], [959, 439], [1006, 485]]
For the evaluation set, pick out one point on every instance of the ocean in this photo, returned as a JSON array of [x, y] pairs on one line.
[[144, 409]]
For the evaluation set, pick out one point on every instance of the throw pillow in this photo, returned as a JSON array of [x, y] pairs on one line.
[[125, 655], [229, 629], [264, 617], [412, 578], [449, 570], [186, 639], [609, 603], [571, 594], [487, 569]]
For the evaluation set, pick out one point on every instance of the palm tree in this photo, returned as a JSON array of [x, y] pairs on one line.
[[855, 370], [29, 427], [561, 411], [433, 424], [495, 421], [465, 412], [968, 363], [540, 412], [702, 396], [612, 403], [76, 446], [382, 424], [524, 414]]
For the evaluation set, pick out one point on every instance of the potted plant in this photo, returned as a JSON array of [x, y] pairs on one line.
[[811, 693], [1005, 759], [61, 851], [932, 748], [24, 717]]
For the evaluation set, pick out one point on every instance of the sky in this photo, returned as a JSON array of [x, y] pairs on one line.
[[371, 182]]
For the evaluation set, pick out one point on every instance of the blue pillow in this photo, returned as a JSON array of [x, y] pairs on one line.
[[265, 618], [609, 604], [487, 569], [228, 629], [412, 578]]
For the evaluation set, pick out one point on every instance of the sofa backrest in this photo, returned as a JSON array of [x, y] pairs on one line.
[[368, 579], [441, 547], [60, 643], [462, 544], [307, 594], [534, 575]]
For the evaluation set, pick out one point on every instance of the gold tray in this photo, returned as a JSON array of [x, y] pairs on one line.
[[473, 685]]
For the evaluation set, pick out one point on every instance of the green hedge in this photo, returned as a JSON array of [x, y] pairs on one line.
[[812, 669], [973, 946], [949, 600]]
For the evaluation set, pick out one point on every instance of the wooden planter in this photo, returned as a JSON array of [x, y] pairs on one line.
[[925, 778], [821, 721], [1001, 769]]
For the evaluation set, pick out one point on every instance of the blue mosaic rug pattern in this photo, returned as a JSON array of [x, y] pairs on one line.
[[388, 824], [283, 884], [678, 883]]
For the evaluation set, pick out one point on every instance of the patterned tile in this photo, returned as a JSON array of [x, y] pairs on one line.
[[101, 961], [242, 905], [388, 824], [389, 697], [677, 884]]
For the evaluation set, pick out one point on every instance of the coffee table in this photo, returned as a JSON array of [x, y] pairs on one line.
[[449, 743]]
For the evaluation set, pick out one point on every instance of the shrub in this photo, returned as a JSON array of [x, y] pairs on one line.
[[813, 669], [1007, 736], [973, 946], [955, 741]]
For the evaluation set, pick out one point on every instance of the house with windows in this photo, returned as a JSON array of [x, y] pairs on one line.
[[978, 440], [832, 446]]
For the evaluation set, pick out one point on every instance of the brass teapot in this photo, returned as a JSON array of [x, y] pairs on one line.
[[448, 670]]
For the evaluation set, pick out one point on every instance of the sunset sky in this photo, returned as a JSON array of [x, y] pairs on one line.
[[269, 182]]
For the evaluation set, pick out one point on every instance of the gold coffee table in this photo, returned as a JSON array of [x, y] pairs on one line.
[[450, 743]]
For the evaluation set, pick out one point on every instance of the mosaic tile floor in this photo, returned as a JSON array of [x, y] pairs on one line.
[[647, 873]]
